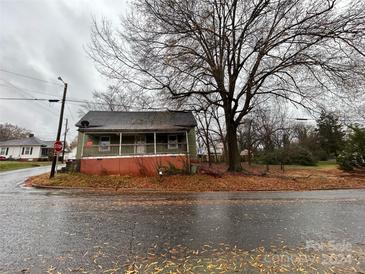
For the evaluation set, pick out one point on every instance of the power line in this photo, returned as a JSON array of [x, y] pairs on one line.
[[313, 119], [71, 100], [70, 112], [27, 93], [29, 90], [51, 99], [30, 99], [29, 77], [76, 101], [45, 99]]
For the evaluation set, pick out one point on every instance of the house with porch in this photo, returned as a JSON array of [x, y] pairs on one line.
[[135, 143]]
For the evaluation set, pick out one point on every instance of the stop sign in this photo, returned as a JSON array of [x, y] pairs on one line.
[[57, 146]]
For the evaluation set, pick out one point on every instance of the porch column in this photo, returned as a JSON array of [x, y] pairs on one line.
[[154, 142], [82, 145], [187, 142], [120, 143], [188, 151]]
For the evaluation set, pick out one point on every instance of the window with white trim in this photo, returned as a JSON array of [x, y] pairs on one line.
[[4, 151], [172, 142], [27, 150], [104, 144]]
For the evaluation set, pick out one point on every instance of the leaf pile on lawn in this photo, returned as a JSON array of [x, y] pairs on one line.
[[201, 182]]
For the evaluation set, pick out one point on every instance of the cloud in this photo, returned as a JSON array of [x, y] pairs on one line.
[[46, 39]]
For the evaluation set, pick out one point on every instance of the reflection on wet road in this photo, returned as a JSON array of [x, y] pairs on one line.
[[76, 231]]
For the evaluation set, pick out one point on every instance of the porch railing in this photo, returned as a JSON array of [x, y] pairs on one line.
[[133, 149]]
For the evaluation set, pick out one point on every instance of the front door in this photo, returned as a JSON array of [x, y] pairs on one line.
[[140, 141]]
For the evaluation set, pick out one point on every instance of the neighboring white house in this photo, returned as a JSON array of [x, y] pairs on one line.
[[30, 148], [218, 150], [70, 154]]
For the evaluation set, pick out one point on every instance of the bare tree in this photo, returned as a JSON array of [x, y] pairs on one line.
[[269, 125], [210, 129], [265, 129], [204, 123], [239, 50], [218, 129], [247, 138], [116, 98], [9, 131]]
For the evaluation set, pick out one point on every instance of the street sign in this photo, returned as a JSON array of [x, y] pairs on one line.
[[58, 146]]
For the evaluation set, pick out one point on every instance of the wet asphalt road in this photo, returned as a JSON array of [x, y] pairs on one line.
[[68, 231]]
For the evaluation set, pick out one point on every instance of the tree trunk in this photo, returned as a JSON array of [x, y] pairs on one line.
[[215, 154], [225, 150], [234, 163], [208, 150], [249, 143]]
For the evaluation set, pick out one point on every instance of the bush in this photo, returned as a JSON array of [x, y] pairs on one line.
[[270, 158], [344, 160], [173, 170], [300, 156], [348, 161], [320, 155], [293, 155], [353, 155]]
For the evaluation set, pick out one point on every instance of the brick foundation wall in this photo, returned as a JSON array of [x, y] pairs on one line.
[[135, 166]]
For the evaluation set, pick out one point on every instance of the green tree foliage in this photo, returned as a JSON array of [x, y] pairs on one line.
[[307, 137], [330, 133], [293, 154], [353, 154]]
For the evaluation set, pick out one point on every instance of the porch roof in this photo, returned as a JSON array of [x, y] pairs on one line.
[[99, 121]]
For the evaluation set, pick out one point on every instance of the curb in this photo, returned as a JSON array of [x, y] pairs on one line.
[[90, 188], [119, 190]]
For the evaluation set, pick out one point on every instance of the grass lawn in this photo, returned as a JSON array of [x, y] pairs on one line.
[[330, 164], [293, 178], [13, 165], [327, 164]]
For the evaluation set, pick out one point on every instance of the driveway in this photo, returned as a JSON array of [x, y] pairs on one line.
[[74, 231]]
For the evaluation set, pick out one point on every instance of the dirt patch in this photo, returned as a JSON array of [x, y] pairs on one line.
[[292, 179]]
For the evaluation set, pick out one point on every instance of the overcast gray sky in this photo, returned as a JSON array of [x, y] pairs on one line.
[[45, 39]]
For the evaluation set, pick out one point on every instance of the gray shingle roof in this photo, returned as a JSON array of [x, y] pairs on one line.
[[49, 144], [137, 121], [28, 141]]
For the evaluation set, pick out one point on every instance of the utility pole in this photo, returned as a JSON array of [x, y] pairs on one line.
[[55, 155], [64, 141]]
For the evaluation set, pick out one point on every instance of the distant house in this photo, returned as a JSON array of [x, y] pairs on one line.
[[70, 153], [135, 143], [30, 148]]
